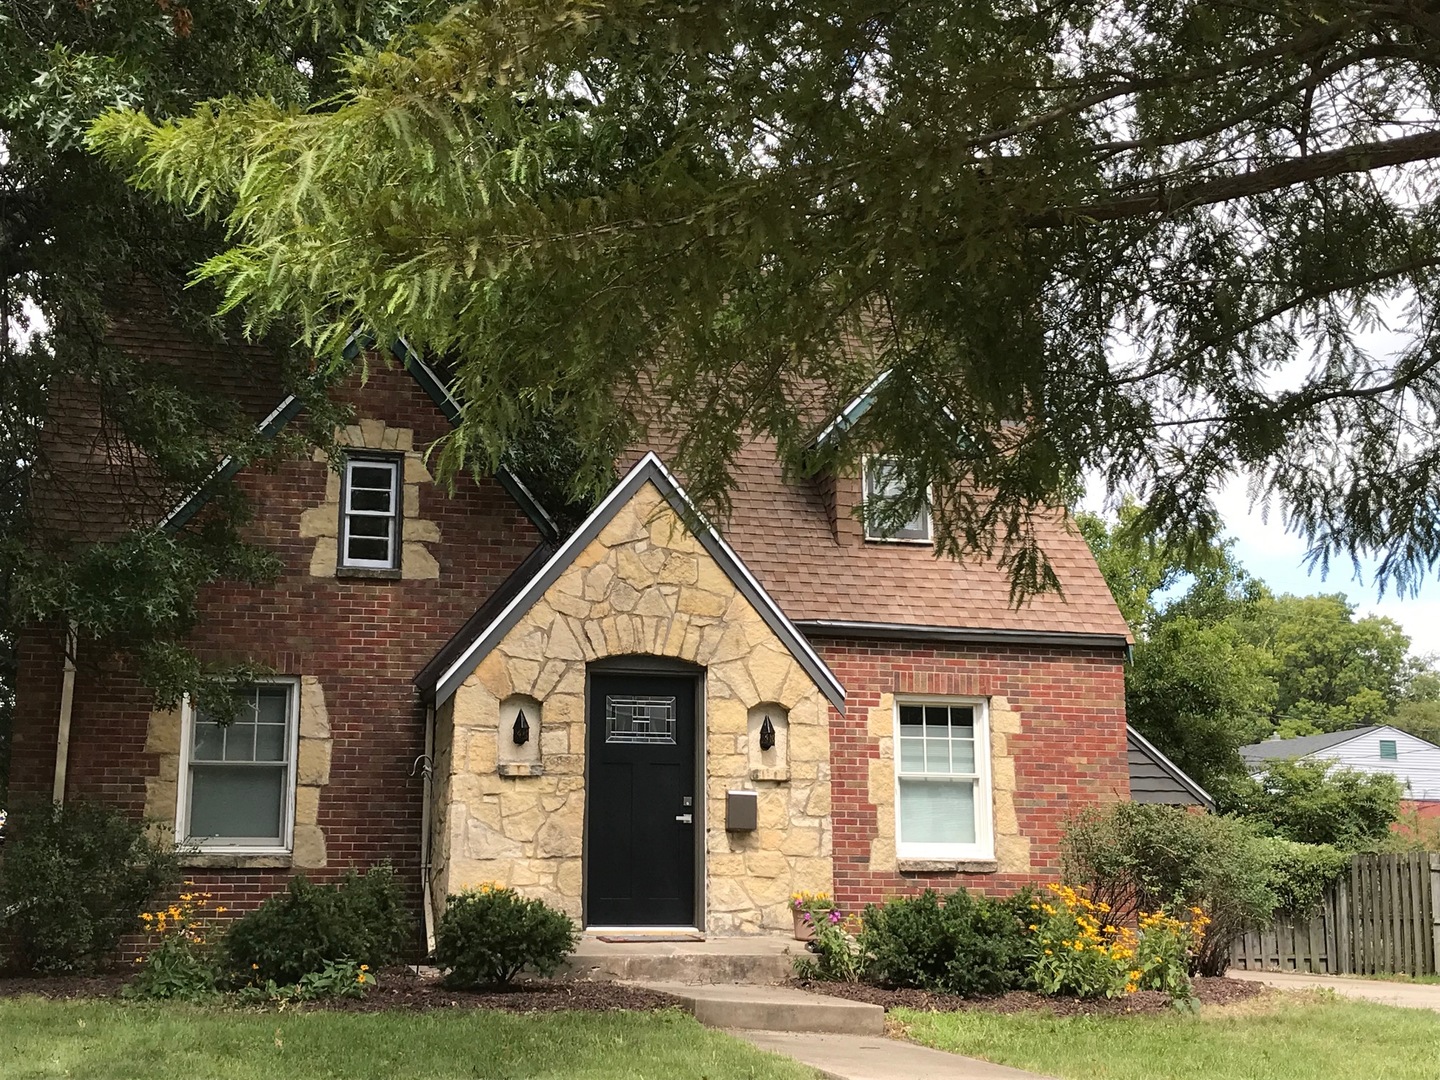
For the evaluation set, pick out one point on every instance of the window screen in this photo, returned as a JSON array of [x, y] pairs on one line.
[[372, 514], [939, 776], [239, 781], [883, 485]]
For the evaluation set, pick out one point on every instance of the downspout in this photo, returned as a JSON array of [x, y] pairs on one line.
[[67, 704], [427, 771]]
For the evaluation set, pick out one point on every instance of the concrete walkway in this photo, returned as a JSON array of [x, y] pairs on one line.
[[866, 1057], [774, 1008], [1406, 995]]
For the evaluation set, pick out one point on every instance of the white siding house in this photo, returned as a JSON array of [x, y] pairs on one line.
[[1376, 749]]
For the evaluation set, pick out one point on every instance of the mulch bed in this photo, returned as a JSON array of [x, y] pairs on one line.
[[1207, 991], [398, 989]]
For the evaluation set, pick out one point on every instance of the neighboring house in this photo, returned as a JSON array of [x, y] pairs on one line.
[[644, 722], [1154, 778], [1375, 749]]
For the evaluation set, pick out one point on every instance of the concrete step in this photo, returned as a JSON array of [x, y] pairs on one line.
[[749, 960], [775, 1008]]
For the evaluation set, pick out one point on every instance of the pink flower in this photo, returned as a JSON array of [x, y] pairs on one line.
[[834, 916]]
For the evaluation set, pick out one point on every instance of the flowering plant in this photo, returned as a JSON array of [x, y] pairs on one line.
[[1078, 951], [811, 902], [180, 963]]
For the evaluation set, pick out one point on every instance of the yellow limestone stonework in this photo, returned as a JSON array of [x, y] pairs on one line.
[[645, 585], [322, 523]]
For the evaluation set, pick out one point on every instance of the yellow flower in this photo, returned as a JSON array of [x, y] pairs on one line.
[[254, 967], [364, 967]]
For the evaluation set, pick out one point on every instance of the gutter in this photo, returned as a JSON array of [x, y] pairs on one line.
[[67, 704], [945, 634], [427, 771]]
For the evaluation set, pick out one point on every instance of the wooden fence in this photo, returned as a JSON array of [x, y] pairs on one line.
[[1383, 918]]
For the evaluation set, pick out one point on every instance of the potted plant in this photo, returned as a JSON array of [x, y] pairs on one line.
[[808, 908]]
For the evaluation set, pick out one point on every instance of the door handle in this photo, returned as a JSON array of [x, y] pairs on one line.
[[685, 819]]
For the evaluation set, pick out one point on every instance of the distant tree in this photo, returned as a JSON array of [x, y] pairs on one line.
[[1313, 803], [1333, 671], [1419, 710], [1199, 692]]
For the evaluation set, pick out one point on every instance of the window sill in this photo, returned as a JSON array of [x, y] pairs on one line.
[[368, 573], [224, 860], [948, 866]]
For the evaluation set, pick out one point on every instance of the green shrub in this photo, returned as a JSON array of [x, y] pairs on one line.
[[73, 881], [489, 935], [300, 931], [966, 945], [1312, 802], [1144, 858]]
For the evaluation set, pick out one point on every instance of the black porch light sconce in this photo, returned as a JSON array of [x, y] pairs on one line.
[[767, 733], [521, 732]]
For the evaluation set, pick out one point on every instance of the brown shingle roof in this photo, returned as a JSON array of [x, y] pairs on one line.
[[782, 530]]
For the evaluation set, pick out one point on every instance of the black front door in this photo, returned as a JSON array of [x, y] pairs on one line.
[[641, 859]]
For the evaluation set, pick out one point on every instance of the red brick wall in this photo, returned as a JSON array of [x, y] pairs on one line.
[[364, 640], [1070, 751]]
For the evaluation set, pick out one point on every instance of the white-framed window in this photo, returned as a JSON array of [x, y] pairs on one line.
[[883, 483], [237, 778], [942, 779], [370, 529]]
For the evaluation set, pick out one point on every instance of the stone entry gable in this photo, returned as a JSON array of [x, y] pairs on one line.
[[642, 584]]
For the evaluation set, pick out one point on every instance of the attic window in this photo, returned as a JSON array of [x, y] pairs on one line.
[[370, 531], [1388, 750], [884, 484]]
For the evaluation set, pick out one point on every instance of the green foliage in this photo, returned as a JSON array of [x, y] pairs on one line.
[[1137, 858], [334, 979], [360, 919], [726, 206], [1300, 873], [178, 969], [489, 935], [965, 944], [1312, 802], [834, 953], [73, 881], [1199, 692]]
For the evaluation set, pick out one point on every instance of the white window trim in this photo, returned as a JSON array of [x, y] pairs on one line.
[[876, 538], [393, 562], [287, 808], [984, 846]]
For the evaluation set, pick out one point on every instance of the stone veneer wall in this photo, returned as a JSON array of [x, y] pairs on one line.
[[312, 773], [645, 585]]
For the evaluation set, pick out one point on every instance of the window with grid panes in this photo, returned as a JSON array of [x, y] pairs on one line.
[[942, 799], [240, 786], [883, 484], [370, 537]]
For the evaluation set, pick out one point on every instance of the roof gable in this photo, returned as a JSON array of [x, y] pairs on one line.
[[1301, 745], [649, 470], [1160, 760], [429, 381]]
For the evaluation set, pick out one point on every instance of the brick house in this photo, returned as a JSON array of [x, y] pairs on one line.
[[647, 722]]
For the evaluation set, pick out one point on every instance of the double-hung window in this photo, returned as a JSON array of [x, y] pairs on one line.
[[884, 485], [942, 780], [370, 531], [238, 788]]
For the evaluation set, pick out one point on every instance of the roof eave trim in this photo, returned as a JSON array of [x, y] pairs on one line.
[[851, 414], [267, 428], [648, 469], [1179, 775], [958, 635]]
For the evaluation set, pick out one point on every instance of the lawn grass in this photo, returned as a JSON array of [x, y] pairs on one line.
[[1289, 1037], [96, 1040]]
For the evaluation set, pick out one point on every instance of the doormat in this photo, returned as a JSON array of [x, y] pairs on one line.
[[642, 939]]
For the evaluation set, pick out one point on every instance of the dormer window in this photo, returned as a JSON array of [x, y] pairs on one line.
[[370, 531], [884, 485]]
